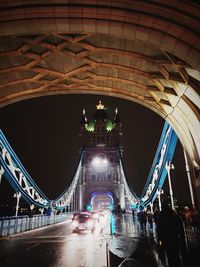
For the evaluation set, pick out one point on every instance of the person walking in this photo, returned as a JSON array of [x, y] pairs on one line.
[[142, 218], [150, 219], [171, 236], [187, 215], [195, 219]]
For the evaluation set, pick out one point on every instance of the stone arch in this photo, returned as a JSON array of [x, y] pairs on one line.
[[146, 52]]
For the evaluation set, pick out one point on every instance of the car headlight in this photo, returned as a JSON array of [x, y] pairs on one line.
[[75, 223]]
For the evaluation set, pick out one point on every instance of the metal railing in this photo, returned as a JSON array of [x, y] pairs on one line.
[[192, 236], [14, 225]]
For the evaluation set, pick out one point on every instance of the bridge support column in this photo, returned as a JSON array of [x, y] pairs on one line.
[[72, 205], [74, 202], [81, 189], [77, 203], [122, 197]]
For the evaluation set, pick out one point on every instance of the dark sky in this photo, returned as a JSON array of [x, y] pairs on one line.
[[44, 133]]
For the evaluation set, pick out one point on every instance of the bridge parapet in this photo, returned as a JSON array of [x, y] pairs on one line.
[[14, 225]]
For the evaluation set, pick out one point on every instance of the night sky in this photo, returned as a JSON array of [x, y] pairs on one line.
[[44, 133]]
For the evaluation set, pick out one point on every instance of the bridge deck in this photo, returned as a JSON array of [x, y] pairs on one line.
[[57, 245]]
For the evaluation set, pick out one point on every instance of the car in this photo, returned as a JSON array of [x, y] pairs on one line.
[[83, 221]]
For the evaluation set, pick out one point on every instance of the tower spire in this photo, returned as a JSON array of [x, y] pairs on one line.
[[83, 118], [100, 106], [116, 119]]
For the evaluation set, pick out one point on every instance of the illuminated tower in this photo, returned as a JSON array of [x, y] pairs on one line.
[[100, 185]]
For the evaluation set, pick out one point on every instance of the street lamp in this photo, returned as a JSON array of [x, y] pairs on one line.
[[1, 173], [41, 210], [18, 196], [189, 178], [159, 192], [170, 166]]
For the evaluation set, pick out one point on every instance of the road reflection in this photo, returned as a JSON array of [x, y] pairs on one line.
[[84, 248]]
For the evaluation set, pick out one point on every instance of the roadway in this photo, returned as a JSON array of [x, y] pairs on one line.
[[59, 246], [55, 246]]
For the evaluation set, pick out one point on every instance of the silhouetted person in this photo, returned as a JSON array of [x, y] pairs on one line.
[[150, 218], [142, 218], [187, 215], [171, 236], [195, 219], [156, 215]]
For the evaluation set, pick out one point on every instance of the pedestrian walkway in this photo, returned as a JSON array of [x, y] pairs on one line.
[[132, 246]]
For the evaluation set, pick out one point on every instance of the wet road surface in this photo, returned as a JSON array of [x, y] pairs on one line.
[[58, 246], [55, 246]]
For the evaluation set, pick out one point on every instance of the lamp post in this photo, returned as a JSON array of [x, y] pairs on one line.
[[31, 210], [159, 192], [189, 177], [1, 173], [41, 210], [170, 166], [18, 196]]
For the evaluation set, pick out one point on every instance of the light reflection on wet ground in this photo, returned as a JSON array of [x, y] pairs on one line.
[[58, 246], [130, 241]]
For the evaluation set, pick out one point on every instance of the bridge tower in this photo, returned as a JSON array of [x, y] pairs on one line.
[[101, 185]]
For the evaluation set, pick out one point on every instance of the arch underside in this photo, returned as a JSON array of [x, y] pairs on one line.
[[145, 52]]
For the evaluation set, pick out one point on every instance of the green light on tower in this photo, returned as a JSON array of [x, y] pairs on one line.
[[109, 125]]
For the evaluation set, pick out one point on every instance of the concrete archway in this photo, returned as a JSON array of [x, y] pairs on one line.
[[102, 200], [146, 52]]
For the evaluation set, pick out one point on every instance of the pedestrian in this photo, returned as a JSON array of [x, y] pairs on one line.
[[142, 218], [150, 218], [171, 236], [187, 215], [155, 215], [195, 219]]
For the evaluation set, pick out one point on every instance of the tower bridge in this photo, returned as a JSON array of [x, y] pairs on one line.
[[100, 180], [101, 162], [146, 52]]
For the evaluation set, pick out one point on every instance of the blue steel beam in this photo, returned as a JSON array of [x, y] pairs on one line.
[[18, 177], [158, 172], [21, 181]]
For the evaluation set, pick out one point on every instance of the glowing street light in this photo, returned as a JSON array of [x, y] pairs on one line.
[[18, 196], [189, 178], [170, 166], [159, 192], [1, 173]]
